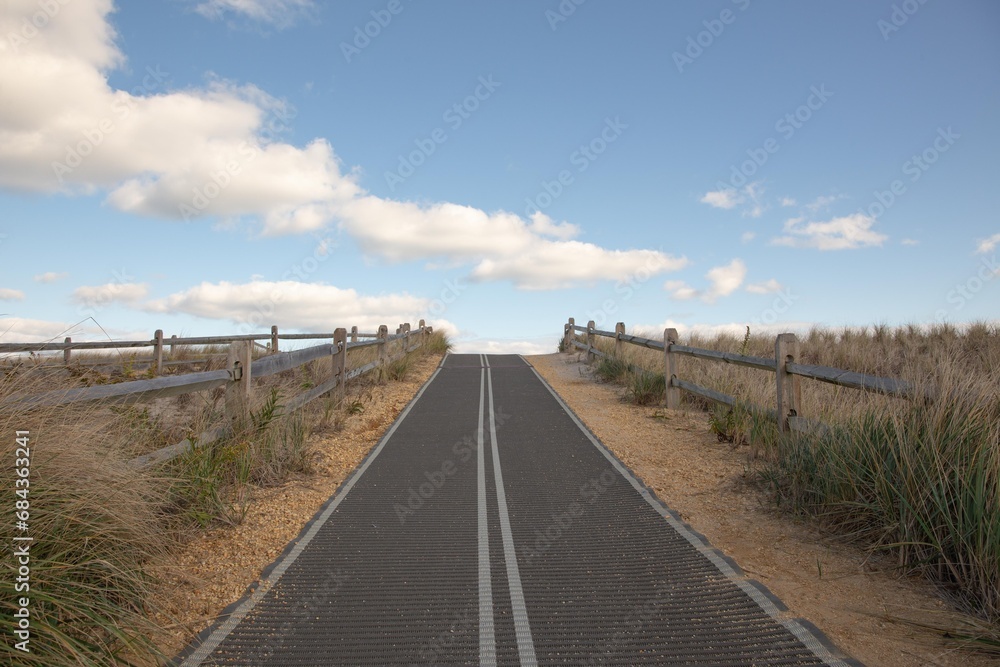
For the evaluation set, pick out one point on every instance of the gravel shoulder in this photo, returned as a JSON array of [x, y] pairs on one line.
[[850, 596]]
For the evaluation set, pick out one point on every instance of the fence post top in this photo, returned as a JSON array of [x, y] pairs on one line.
[[354, 329], [158, 334], [591, 325], [274, 328], [383, 330], [572, 321], [421, 324], [670, 335], [620, 328], [787, 338]]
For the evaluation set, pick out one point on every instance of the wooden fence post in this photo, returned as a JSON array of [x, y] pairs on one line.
[[274, 339], [238, 392], [173, 337], [406, 338], [568, 335], [673, 394], [619, 330], [66, 352], [590, 340], [354, 334], [383, 333], [786, 349], [340, 363], [158, 351], [423, 333]]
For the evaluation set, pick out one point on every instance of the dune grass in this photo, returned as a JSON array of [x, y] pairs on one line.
[[918, 479], [100, 525]]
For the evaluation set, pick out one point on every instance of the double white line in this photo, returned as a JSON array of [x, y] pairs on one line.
[[487, 639]]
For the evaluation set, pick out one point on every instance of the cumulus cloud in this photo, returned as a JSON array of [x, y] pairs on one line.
[[553, 265], [722, 281], [216, 153], [127, 293], [915, 242], [988, 245], [7, 294], [297, 305], [49, 277], [846, 232], [24, 330], [727, 199]]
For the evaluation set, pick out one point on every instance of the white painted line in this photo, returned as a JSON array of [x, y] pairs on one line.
[[525, 645], [222, 631], [487, 639]]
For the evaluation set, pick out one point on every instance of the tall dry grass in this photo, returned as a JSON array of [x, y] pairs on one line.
[[918, 479], [99, 524]]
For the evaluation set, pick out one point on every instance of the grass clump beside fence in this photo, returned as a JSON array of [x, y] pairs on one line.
[[100, 526], [919, 479]]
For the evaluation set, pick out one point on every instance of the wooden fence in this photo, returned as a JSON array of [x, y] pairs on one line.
[[785, 366], [236, 377]]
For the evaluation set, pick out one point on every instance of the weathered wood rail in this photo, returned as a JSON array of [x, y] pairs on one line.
[[237, 377], [785, 366], [167, 346]]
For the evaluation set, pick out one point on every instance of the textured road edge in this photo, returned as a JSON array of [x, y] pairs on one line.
[[209, 639], [807, 633]]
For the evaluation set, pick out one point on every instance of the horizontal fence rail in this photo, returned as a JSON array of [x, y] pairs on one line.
[[784, 365], [236, 379]]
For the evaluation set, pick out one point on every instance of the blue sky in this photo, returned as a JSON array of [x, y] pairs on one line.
[[218, 166]]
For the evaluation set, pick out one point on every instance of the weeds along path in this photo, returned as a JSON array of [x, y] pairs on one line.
[[851, 596]]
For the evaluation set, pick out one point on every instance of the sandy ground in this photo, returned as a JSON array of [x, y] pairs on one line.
[[851, 597], [215, 568]]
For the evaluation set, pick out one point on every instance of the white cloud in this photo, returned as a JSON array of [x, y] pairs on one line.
[[680, 290], [99, 295], [766, 287], [23, 330], [723, 281], [488, 346], [215, 153], [910, 242], [846, 232], [297, 305], [787, 201], [554, 265], [746, 237], [7, 294], [822, 202], [727, 199], [280, 13], [49, 277], [543, 225], [987, 245]]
